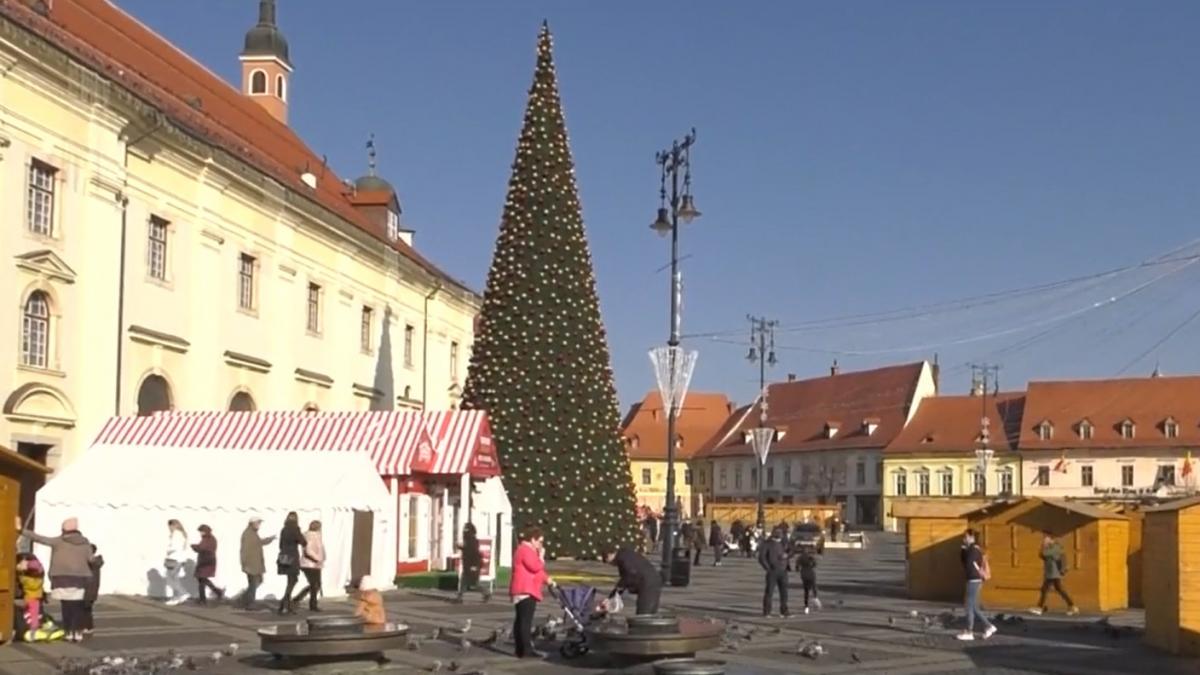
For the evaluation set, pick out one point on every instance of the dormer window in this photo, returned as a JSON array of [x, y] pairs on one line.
[[1171, 428], [869, 425], [393, 225], [1045, 430], [1127, 429], [1085, 430], [831, 429]]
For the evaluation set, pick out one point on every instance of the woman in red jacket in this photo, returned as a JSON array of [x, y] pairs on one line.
[[528, 576]]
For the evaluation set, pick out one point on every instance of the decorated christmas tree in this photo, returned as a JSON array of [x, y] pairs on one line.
[[540, 362]]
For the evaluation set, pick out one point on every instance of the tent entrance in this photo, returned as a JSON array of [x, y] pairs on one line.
[[360, 545]]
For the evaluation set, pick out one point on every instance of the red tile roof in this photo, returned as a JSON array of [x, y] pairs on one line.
[[118, 47], [702, 415], [801, 410], [1147, 401], [950, 424]]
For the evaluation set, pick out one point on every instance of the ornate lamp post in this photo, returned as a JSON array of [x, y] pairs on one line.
[[760, 440], [673, 367]]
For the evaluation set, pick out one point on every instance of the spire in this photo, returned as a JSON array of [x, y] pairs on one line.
[[371, 155], [265, 38], [266, 13]]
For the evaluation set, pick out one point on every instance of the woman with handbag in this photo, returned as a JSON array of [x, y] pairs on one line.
[[173, 562], [311, 563], [206, 564], [291, 540]]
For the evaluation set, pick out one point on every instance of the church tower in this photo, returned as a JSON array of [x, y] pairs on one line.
[[266, 68]]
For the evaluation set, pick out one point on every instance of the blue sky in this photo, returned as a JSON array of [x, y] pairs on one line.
[[853, 157]]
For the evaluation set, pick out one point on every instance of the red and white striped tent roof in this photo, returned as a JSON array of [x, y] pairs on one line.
[[393, 438], [462, 443]]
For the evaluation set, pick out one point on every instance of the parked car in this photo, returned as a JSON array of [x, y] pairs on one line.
[[808, 534]]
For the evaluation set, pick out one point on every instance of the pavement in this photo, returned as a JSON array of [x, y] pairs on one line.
[[866, 627]]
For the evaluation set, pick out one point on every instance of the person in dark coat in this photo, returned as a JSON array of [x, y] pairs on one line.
[[637, 575], [773, 559], [807, 564], [206, 564], [651, 526], [716, 539], [291, 540], [91, 592], [472, 563], [698, 540]]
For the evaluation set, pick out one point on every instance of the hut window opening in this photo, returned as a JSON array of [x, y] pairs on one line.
[[1086, 476], [901, 479], [1166, 474], [947, 483], [1127, 475], [1043, 476]]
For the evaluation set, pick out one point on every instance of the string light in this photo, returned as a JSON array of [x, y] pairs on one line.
[[540, 362]]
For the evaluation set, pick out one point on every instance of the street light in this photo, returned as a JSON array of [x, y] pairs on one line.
[[760, 440], [680, 207], [984, 454]]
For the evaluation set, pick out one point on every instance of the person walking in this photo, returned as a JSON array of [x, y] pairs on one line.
[[91, 592], [637, 575], [806, 562], [525, 588], [698, 540], [287, 563], [652, 529], [175, 561], [773, 560], [311, 564], [1054, 566], [716, 539], [253, 565], [70, 572], [472, 563], [975, 565], [206, 564]]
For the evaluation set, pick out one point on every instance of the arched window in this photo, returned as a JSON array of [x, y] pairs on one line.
[[35, 331], [310, 408], [241, 402], [281, 87], [258, 82], [154, 395]]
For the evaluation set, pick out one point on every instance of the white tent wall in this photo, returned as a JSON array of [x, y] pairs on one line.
[[489, 501], [123, 497], [414, 515]]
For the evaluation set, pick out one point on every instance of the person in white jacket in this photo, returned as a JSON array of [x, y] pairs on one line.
[[174, 561]]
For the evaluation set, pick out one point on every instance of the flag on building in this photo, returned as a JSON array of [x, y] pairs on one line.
[[1061, 465], [1187, 465]]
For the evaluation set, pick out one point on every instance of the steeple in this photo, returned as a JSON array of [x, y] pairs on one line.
[[266, 66]]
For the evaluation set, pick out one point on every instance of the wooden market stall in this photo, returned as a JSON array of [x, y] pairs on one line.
[[1171, 551], [933, 543], [1133, 558], [1095, 543], [14, 468], [747, 512]]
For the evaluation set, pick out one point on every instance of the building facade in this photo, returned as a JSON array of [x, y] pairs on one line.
[[934, 457], [830, 433], [644, 431], [172, 244], [1119, 439]]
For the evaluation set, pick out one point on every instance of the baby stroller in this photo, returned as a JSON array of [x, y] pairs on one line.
[[579, 608]]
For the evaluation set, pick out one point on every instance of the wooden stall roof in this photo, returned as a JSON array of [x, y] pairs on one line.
[[20, 462], [1084, 509], [1173, 506], [937, 508]]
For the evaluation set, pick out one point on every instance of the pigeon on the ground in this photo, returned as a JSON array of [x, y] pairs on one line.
[[435, 667], [811, 650], [414, 644], [999, 618], [454, 667], [1103, 622], [464, 644], [841, 603], [466, 627], [436, 634], [854, 657], [891, 621], [926, 622], [491, 639], [914, 613], [232, 649]]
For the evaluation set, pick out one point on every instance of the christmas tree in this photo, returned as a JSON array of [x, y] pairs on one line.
[[540, 362]]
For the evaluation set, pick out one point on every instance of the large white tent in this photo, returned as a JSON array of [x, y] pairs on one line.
[[123, 496]]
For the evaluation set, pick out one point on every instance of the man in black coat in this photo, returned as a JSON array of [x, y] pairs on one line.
[[773, 559], [638, 576], [716, 539]]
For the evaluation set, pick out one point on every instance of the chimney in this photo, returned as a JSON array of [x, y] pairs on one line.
[[833, 370], [266, 67], [791, 377]]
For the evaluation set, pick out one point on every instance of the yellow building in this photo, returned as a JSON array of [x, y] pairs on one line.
[[172, 243], [934, 456], [645, 433]]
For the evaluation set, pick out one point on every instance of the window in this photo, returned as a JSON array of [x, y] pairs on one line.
[[879, 473], [724, 482], [754, 477], [978, 482], [901, 482], [947, 483], [1006, 482], [737, 478], [770, 476], [923, 483], [313, 322], [1045, 431], [860, 473], [1043, 476], [408, 345], [1086, 476], [1085, 430], [258, 82], [454, 362], [280, 87], [787, 474], [1166, 474], [687, 476], [40, 213], [393, 225], [645, 476], [413, 519], [35, 331], [1127, 475], [1127, 429], [367, 327], [1171, 428], [246, 294], [156, 249]]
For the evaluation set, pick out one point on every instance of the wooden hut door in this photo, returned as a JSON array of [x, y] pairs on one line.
[[360, 544], [9, 508]]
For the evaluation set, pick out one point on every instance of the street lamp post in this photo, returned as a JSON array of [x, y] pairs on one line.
[[672, 163], [760, 441], [984, 454]]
